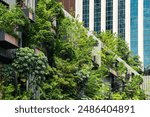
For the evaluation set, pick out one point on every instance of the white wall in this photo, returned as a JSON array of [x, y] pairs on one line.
[[115, 16], [127, 22], [103, 15], [79, 9], [91, 15], [140, 30]]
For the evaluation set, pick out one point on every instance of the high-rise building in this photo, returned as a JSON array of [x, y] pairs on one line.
[[130, 19]]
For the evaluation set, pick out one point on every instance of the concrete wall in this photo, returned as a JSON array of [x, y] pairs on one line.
[[146, 85], [10, 2]]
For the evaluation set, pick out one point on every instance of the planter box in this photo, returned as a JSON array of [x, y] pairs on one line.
[[29, 14], [6, 55], [7, 41]]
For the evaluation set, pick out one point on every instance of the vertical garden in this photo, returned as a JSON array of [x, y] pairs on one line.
[[64, 68]]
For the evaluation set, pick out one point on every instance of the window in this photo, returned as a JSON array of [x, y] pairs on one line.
[[121, 18], [109, 15], [86, 13], [134, 26], [97, 15]]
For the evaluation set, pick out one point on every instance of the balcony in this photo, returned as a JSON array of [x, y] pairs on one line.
[[29, 14], [6, 55], [7, 41]]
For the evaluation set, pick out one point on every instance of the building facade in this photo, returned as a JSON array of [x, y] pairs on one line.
[[130, 19], [9, 43]]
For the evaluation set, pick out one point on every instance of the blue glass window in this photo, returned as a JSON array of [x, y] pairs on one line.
[[121, 18], [86, 13], [97, 15], [109, 15], [134, 26]]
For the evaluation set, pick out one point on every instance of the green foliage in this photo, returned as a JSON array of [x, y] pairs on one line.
[[47, 12], [119, 96], [7, 82], [25, 75], [73, 37], [129, 87], [133, 90], [97, 89], [73, 75], [49, 9], [28, 62], [113, 45], [10, 19]]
